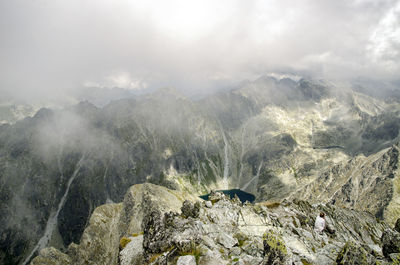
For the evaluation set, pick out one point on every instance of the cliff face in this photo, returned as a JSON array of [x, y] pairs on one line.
[[155, 225], [109, 223], [369, 183]]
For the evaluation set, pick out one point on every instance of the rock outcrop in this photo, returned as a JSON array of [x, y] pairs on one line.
[[100, 242], [365, 183], [390, 242], [161, 226]]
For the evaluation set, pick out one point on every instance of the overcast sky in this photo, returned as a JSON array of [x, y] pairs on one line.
[[50, 47]]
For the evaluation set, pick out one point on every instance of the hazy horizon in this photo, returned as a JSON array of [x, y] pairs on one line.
[[52, 49]]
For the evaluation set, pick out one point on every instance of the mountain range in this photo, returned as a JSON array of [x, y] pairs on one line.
[[278, 139]]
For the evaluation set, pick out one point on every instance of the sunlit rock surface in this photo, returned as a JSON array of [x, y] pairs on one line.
[[369, 183], [100, 242], [227, 232]]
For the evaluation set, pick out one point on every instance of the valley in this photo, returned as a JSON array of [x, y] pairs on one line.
[[278, 139]]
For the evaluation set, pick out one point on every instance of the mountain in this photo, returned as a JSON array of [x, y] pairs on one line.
[[101, 96], [10, 111], [275, 138], [154, 225]]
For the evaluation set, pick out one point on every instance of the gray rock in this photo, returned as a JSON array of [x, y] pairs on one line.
[[275, 251], [397, 225], [235, 251], [354, 254], [190, 210], [155, 235], [100, 242], [216, 196], [251, 260], [227, 240], [253, 247], [186, 260], [395, 257], [51, 256], [227, 233], [133, 253], [390, 242], [212, 258]]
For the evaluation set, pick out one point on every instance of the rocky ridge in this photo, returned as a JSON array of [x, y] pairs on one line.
[[155, 225], [369, 183]]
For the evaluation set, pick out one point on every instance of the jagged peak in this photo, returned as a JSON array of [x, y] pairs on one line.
[[43, 113]]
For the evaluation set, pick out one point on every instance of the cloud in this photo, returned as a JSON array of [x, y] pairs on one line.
[[49, 48], [120, 79], [384, 44]]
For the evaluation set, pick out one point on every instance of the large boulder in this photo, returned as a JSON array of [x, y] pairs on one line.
[[353, 254], [142, 199], [133, 253], [100, 242], [190, 210], [390, 242], [186, 260], [51, 256], [397, 225], [275, 251]]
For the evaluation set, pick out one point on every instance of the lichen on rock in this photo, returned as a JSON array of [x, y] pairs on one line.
[[352, 254], [226, 232], [390, 242], [52, 256], [274, 248]]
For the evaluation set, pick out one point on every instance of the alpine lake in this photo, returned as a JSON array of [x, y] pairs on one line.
[[242, 195]]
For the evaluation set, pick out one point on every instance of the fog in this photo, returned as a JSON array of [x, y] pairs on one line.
[[51, 49]]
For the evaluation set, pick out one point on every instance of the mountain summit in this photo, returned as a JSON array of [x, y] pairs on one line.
[[153, 225]]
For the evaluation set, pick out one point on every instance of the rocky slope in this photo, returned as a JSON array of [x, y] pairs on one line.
[[155, 225], [361, 183], [273, 138]]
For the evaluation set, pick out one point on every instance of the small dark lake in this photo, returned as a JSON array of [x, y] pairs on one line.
[[243, 196]]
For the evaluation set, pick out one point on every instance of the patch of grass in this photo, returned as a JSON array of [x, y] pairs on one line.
[[195, 251], [137, 234], [241, 242], [154, 258], [241, 238], [305, 262], [123, 242], [296, 176], [396, 260], [294, 222], [271, 204]]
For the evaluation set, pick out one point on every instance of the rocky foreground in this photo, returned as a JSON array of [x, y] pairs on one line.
[[155, 225]]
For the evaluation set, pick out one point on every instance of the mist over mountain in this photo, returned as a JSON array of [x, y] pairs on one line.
[[198, 46], [289, 102], [274, 138]]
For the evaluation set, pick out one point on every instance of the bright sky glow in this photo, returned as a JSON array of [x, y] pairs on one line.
[[54, 46]]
